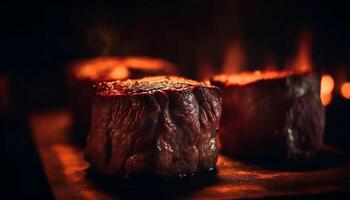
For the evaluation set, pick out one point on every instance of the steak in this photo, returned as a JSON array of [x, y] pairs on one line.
[[162, 125], [83, 73], [271, 114]]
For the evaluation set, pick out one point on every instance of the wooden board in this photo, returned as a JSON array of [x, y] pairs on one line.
[[70, 178]]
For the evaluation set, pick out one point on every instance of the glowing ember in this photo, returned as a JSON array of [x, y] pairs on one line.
[[327, 86], [345, 90]]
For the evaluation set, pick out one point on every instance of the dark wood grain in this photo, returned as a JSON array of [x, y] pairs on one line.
[[70, 177]]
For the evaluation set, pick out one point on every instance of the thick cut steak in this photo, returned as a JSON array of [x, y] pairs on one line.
[[161, 125], [83, 73], [271, 114]]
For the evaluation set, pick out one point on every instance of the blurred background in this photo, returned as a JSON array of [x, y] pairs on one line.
[[201, 37]]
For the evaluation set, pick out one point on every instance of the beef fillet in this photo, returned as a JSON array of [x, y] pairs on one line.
[[83, 73], [271, 114], [156, 125]]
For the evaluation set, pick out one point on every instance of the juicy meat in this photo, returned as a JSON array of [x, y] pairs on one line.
[[271, 114], [83, 73], [157, 125]]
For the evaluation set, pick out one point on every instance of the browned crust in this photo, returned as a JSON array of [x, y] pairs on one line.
[[147, 85], [252, 77]]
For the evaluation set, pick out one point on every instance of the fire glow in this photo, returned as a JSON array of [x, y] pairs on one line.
[[234, 60], [117, 68], [345, 90], [327, 86], [301, 61]]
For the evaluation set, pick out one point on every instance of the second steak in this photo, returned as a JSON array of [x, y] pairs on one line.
[[271, 114]]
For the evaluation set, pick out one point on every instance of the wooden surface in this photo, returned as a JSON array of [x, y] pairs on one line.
[[70, 178]]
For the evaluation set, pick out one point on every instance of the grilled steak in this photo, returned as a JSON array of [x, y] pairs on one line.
[[271, 114], [82, 74], [159, 125]]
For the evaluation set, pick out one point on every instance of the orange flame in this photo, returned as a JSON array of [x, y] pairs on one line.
[[327, 86], [302, 60], [234, 59], [345, 90]]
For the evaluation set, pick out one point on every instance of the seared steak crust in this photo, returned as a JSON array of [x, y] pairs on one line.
[[157, 125]]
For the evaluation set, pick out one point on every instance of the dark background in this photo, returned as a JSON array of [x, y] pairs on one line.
[[38, 39]]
